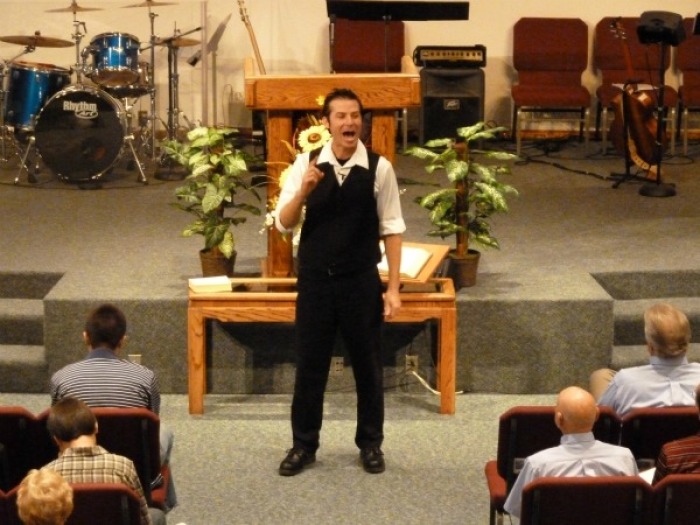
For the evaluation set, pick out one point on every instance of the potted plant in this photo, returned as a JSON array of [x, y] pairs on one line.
[[476, 193], [213, 192]]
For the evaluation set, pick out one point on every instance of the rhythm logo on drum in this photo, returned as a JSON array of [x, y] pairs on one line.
[[85, 110]]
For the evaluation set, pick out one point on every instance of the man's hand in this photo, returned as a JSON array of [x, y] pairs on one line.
[[312, 176], [392, 303]]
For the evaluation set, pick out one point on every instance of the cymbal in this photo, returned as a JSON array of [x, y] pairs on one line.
[[73, 8], [150, 3], [179, 42], [36, 41]]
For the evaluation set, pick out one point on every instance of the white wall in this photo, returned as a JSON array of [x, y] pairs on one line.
[[293, 38]]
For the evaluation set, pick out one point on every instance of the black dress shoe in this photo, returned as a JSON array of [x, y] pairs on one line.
[[297, 458], [372, 460]]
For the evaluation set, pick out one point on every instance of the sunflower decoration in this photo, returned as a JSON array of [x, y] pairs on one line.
[[310, 135]]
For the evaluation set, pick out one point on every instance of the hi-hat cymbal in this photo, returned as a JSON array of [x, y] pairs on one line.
[[36, 41], [178, 42], [73, 8], [150, 3]]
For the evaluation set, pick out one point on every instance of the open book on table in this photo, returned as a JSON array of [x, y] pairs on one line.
[[419, 261]]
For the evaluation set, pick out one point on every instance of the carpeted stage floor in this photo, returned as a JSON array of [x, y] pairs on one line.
[[121, 242]]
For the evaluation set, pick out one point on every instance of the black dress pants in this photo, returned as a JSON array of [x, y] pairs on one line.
[[351, 304]]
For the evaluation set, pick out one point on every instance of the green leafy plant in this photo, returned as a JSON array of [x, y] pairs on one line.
[[214, 189], [464, 209]]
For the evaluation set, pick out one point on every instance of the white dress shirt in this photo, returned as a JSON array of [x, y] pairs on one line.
[[664, 382], [385, 186], [577, 455]]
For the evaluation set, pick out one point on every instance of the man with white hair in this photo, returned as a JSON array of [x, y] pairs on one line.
[[668, 380]]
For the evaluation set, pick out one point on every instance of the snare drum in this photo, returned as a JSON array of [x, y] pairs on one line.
[[141, 87], [30, 85], [115, 59], [80, 132]]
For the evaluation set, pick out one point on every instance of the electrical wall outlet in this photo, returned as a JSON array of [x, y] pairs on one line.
[[411, 363], [337, 364]]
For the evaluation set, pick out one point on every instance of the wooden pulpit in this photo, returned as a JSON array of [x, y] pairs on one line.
[[281, 95]]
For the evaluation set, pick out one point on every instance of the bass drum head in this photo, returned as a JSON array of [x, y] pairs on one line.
[[80, 132]]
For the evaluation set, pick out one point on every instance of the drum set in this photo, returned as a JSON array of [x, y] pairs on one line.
[[81, 129]]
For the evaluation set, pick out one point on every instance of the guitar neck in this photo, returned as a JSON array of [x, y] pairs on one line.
[[251, 35], [620, 33]]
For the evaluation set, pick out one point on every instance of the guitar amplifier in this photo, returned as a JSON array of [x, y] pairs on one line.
[[450, 56]]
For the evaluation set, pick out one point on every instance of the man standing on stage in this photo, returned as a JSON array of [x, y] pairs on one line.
[[351, 202]]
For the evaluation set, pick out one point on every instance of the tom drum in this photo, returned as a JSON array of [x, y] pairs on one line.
[[30, 85], [115, 59]]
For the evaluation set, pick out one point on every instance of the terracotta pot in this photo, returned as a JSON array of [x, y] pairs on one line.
[[462, 270], [214, 263]]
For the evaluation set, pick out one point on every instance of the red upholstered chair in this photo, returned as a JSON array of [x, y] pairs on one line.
[[675, 500], [22, 449], [135, 434], [550, 55], [111, 503], [602, 500], [646, 430], [522, 431], [609, 60], [368, 46], [8, 508], [688, 64]]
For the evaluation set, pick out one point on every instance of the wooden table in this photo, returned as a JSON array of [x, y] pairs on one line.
[[273, 300]]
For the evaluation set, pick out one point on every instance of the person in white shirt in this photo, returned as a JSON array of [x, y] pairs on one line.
[[578, 455], [668, 380]]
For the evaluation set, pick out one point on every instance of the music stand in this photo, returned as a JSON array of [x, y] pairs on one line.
[[392, 11]]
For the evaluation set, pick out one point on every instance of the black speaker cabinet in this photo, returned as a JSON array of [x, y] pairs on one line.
[[452, 98]]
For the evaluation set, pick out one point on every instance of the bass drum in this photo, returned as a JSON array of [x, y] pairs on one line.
[[80, 132]]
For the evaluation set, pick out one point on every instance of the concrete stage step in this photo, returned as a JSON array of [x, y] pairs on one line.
[[23, 368], [21, 321], [624, 356]]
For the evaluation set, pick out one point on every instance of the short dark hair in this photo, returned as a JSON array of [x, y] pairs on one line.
[[69, 419], [105, 325], [339, 93]]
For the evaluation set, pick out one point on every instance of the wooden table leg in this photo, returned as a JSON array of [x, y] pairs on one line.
[[196, 359], [447, 349]]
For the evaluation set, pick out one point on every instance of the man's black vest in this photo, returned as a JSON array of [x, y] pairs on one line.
[[340, 234]]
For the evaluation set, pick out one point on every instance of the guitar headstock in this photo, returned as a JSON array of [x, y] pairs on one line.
[[617, 29], [242, 10]]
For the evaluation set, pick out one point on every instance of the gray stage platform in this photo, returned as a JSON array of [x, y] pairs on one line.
[[576, 255]]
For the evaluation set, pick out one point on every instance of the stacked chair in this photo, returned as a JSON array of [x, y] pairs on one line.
[[550, 55], [688, 64]]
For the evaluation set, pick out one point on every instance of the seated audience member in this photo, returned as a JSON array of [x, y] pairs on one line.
[[668, 380], [103, 379], [44, 498], [681, 456], [579, 453], [73, 427]]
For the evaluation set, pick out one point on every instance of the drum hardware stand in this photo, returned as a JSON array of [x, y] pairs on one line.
[[129, 140], [4, 130], [31, 174], [78, 37], [170, 170]]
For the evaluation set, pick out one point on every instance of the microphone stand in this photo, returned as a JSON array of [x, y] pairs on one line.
[[659, 189]]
